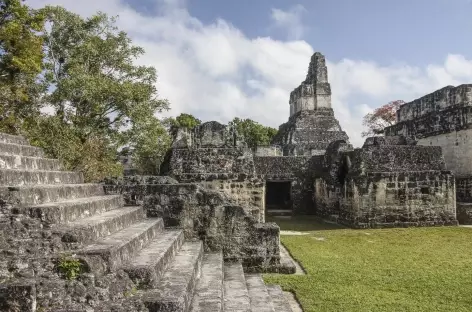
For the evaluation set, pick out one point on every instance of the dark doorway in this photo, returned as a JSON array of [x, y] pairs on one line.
[[278, 195]]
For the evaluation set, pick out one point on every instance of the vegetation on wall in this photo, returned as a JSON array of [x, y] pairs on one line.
[[253, 132]]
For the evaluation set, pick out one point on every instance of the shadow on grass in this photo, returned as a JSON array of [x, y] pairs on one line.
[[304, 224]]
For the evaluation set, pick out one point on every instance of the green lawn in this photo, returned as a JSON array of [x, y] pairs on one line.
[[415, 269]]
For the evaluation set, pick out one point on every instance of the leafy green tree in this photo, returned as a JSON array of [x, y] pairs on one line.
[[96, 85], [96, 157], [184, 120], [253, 132], [150, 142], [101, 100], [21, 58]]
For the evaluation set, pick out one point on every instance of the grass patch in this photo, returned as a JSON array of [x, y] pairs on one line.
[[414, 269]]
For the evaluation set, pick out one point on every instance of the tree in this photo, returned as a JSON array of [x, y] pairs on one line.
[[149, 145], [253, 132], [21, 58], [101, 100], [97, 87], [381, 118], [186, 121]]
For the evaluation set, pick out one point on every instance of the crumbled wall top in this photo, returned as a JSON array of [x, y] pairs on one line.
[[389, 140], [444, 111], [208, 134], [383, 154], [315, 91], [438, 100]]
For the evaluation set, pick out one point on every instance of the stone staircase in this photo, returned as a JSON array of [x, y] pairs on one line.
[[168, 272]]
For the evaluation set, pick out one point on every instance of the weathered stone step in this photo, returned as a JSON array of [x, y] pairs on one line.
[[236, 297], [73, 209], [14, 139], [279, 301], [208, 294], [111, 252], [17, 177], [176, 287], [23, 150], [150, 263], [89, 229], [29, 163], [41, 194], [258, 294]]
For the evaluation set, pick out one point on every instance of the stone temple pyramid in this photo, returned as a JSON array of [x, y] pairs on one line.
[[311, 126]]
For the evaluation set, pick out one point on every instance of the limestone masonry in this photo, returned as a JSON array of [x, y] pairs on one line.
[[196, 237], [133, 244], [444, 118], [312, 125]]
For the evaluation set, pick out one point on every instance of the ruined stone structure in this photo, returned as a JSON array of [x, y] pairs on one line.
[[195, 238], [444, 118], [312, 125], [137, 244], [388, 182]]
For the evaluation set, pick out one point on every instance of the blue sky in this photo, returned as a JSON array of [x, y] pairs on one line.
[[413, 31], [218, 59]]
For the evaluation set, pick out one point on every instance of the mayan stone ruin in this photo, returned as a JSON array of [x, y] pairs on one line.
[[444, 118], [144, 243], [196, 237], [311, 126]]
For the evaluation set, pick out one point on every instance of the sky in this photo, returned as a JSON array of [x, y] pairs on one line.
[[220, 59]]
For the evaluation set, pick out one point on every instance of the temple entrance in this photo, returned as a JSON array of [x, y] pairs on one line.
[[278, 198]]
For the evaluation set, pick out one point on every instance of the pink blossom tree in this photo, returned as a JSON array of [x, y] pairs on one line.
[[381, 118]]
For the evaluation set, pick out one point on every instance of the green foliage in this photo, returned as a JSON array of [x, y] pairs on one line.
[[254, 133], [101, 100], [149, 143], [133, 291], [184, 120], [97, 86], [21, 59], [70, 267], [409, 269], [95, 157]]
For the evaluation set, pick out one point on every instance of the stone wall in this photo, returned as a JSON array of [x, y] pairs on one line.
[[210, 216], [457, 149], [230, 170], [315, 91], [439, 100], [208, 134], [386, 183], [298, 170], [249, 194], [309, 133], [400, 199], [268, 151], [442, 118], [197, 164]]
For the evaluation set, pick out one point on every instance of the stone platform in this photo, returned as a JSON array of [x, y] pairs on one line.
[[128, 261]]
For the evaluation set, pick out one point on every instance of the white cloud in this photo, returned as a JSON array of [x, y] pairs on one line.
[[216, 72], [290, 21]]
